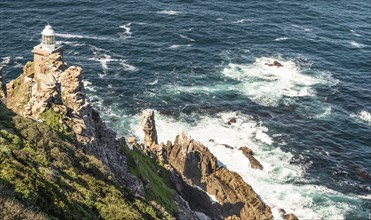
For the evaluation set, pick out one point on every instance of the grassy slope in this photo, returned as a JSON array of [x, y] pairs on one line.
[[44, 176]]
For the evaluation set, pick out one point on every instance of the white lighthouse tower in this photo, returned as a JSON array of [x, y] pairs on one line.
[[46, 47]]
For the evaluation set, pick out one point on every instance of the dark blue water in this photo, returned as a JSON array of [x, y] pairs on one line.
[[197, 61]]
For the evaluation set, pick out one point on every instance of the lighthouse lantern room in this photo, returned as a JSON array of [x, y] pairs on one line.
[[46, 47]]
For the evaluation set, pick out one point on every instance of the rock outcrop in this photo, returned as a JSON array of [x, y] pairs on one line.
[[149, 128], [254, 163], [191, 159], [198, 169], [56, 96]]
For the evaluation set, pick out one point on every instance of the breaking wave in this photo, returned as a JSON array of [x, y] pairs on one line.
[[267, 84], [279, 184]]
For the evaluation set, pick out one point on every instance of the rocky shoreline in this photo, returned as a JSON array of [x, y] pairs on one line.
[[56, 97]]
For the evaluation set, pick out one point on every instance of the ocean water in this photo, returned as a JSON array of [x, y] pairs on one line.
[[200, 63]]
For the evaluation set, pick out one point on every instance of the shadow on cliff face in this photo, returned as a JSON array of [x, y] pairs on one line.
[[192, 168]]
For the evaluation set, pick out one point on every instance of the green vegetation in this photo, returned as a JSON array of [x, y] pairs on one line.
[[45, 177], [153, 175], [20, 88], [55, 121]]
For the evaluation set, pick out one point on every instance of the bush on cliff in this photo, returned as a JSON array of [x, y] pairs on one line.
[[153, 176], [45, 177]]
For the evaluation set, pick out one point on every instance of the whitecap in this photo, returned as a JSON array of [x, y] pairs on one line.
[[357, 45], [103, 59], [88, 85], [281, 39], [153, 83], [185, 37], [355, 33], [169, 12], [325, 113], [127, 31], [175, 46], [79, 36], [5, 61], [74, 44], [363, 116], [18, 65], [240, 21], [267, 85], [128, 67]]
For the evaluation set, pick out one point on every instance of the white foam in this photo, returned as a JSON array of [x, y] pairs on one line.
[[153, 83], [79, 36], [5, 61], [364, 116], [128, 67], [169, 12], [185, 37], [240, 21], [88, 85], [74, 44], [355, 33], [104, 60], [267, 85], [18, 65], [274, 184], [127, 31], [175, 46], [325, 113], [357, 45], [281, 39], [367, 197]]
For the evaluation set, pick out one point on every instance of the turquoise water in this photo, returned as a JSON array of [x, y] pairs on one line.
[[199, 63]]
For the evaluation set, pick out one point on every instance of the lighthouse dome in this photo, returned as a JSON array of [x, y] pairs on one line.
[[48, 31]]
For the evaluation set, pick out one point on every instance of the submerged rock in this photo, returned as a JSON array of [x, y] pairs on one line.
[[275, 63], [287, 216]]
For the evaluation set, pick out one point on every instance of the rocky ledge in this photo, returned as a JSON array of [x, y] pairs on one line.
[[197, 168]]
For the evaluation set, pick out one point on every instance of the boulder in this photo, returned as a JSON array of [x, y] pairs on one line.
[[275, 63], [231, 121], [254, 163]]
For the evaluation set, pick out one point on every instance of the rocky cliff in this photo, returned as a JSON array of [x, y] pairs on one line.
[[56, 96], [196, 167]]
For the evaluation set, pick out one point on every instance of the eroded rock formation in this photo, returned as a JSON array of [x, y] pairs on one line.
[[198, 167], [149, 127], [254, 163]]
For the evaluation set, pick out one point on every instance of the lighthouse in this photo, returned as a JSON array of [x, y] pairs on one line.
[[46, 47]]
